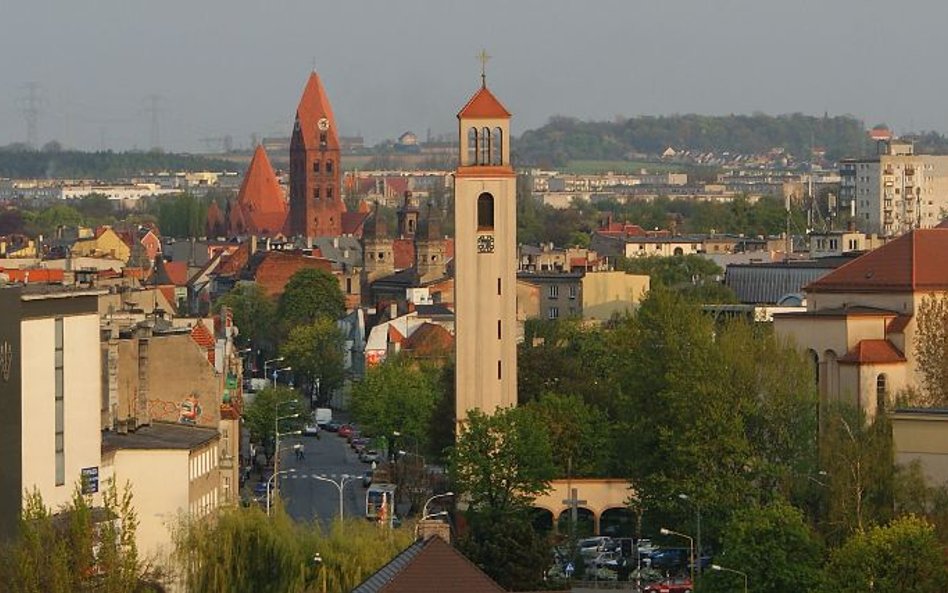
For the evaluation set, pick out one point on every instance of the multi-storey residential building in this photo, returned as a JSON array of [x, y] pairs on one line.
[[896, 190], [49, 396]]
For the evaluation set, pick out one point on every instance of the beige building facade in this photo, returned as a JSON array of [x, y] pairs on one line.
[[895, 191], [606, 294]]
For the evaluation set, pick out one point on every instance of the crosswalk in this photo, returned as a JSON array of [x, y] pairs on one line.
[[317, 476]]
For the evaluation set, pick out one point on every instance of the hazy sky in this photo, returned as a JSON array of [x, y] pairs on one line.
[[237, 67]]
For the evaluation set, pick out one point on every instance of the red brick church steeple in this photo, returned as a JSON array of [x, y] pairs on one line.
[[316, 204]]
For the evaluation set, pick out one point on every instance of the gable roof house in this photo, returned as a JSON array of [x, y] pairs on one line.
[[860, 324]]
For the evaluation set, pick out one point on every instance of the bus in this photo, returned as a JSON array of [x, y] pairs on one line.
[[376, 496]]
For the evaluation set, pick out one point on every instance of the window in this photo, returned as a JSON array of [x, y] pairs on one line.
[[499, 371], [329, 166], [322, 138], [496, 147], [329, 192], [315, 166], [498, 287], [485, 146], [316, 193], [59, 406], [348, 285], [554, 291], [472, 146], [573, 290], [554, 313], [485, 211], [882, 390], [498, 329]]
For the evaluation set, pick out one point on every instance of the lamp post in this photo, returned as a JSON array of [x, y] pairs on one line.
[[725, 569], [691, 543], [267, 362], [697, 529], [424, 510], [277, 434], [277, 372], [340, 485], [275, 474], [318, 560]]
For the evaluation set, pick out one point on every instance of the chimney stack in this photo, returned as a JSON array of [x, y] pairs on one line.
[[433, 527]]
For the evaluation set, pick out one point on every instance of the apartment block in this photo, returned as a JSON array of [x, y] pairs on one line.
[[896, 190]]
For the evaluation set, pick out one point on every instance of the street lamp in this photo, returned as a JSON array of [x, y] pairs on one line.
[[725, 569], [267, 362], [697, 529], [424, 510], [277, 434], [691, 543], [340, 485], [318, 560], [277, 372], [275, 474]]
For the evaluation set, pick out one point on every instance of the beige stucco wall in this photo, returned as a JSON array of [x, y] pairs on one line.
[[922, 437], [81, 403], [898, 302], [609, 293], [159, 484]]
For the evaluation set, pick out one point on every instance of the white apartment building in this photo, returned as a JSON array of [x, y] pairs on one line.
[[895, 191], [50, 394]]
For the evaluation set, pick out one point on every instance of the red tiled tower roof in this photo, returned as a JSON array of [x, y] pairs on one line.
[[215, 225], [484, 105], [316, 205], [260, 199], [914, 262], [314, 106]]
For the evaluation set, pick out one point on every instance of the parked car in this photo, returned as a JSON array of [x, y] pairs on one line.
[[605, 560], [345, 430], [671, 585], [332, 426], [311, 430], [592, 546], [369, 456], [670, 558]]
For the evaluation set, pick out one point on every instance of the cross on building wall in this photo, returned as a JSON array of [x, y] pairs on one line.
[[574, 503]]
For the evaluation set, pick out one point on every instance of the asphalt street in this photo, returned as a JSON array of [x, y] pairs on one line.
[[307, 498]]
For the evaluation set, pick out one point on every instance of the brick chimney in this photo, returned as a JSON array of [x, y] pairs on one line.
[[431, 527]]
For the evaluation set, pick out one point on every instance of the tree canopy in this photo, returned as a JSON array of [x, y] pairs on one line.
[[254, 314], [315, 351], [308, 295]]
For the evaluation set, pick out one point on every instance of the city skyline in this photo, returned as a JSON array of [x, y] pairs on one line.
[[184, 77]]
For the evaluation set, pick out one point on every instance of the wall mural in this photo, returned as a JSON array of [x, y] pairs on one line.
[[188, 411]]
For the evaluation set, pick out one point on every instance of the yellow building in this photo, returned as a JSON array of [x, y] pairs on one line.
[[611, 293], [105, 243], [859, 326]]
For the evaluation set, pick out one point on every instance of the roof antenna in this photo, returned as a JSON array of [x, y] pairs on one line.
[[483, 57]]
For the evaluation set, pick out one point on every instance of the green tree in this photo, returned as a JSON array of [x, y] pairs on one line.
[[181, 216], [858, 460], [260, 416], [506, 547], [315, 351], [773, 545], [902, 556], [578, 431], [76, 549], [254, 315], [60, 215], [398, 395], [931, 349], [308, 295], [243, 550], [501, 461]]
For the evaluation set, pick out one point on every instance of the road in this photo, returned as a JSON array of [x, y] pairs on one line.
[[306, 498]]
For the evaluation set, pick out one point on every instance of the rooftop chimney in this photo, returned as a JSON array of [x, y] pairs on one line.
[[433, 527]]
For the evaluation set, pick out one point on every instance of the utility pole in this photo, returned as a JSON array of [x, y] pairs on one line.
[[30, 107], [153, 110]]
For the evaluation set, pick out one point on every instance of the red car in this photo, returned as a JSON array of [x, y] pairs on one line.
[[672, 585], [344, 431]]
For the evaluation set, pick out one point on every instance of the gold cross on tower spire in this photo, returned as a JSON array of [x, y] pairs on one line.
[[483, 58]]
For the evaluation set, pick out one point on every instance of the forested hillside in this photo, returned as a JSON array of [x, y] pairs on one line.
[[564, 139], [107, 165]]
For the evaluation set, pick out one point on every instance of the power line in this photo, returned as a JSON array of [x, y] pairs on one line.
[[153, 110], [30, 107]]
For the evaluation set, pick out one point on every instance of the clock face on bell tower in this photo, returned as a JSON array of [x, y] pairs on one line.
[[485, 244]]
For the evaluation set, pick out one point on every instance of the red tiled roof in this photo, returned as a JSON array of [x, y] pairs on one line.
[[314, 105], [41, 275], [403, 251], [273, 269], [168, 292], [483, 105], [912, 263], [449, 248], [233, 263], [260, 200], [873, 352], [942, 225], [395, 336], [177, 272], [429, 341], [205, 339], [352, 222]]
